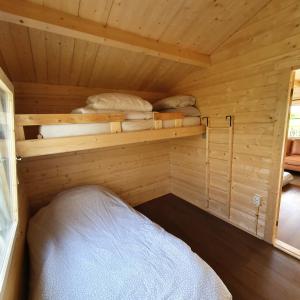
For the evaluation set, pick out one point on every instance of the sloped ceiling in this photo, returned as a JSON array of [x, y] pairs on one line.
[[32, 55]]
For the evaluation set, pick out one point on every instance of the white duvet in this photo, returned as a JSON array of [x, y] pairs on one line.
[[88, 244]]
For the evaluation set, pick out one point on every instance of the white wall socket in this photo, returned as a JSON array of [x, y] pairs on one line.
[[257, 200]]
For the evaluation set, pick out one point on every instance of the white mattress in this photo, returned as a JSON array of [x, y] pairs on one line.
[[52, 131], [187, 121], [88, 244]]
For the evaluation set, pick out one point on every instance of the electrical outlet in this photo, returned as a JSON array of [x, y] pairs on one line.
[[256, 200]]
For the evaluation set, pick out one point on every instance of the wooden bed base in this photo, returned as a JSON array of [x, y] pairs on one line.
[[37, 147]]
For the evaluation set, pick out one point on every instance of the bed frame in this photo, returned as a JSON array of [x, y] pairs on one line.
[[40, 146]]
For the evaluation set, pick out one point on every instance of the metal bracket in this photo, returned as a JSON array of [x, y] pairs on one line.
[[230, 120], [205, 118]]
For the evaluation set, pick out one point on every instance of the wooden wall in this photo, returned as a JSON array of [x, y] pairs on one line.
[[248, 79], [187, 158], [48, 56], [50, 98], [136, 172]]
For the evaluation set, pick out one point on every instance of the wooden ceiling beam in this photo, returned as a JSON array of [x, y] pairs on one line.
[[55, 21]]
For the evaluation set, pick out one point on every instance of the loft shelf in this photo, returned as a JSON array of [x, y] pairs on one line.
[[47, 146]]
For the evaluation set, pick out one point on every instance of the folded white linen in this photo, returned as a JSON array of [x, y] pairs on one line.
[[188, 111], [174, 102], [118, 101], [64, 130]]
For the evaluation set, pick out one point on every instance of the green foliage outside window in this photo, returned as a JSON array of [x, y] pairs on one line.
[[294, 124]]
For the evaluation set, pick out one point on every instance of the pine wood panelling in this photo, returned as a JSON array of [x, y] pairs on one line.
[[187, 176], [9, 53], [249, 79], [20, 36], [39, 54], [136, 172], [37, 147], [168, 21], [53, 45], [48, 119], [45, 98], [59, 22], [68, 6], [218, 172], [96, 10], [44, 57], [60, 59]]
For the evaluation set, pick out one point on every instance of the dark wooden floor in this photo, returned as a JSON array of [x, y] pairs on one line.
[[250, 268]]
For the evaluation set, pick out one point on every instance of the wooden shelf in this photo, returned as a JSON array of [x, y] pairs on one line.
[[36, 147]]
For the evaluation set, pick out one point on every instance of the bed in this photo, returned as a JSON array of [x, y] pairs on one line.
[[88, 244], [137, 112]]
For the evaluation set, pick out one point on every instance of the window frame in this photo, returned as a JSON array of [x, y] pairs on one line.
[[7, 87], [291, 120]]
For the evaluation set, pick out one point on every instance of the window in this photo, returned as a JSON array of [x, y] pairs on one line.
[[8, 190], [294, 123]]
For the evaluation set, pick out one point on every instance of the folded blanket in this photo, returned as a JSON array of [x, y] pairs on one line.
[[189, 111], [174, 102]]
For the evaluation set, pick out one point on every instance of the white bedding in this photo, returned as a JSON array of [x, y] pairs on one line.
[[52, 131], [287, 178], [88, 244], [63, 130]]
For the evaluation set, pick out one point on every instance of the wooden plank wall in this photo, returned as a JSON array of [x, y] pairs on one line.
[[50, 98], [33, 55], [137, 172], [249, 79], [187, 157]]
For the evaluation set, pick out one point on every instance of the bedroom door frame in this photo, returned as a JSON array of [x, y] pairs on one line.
[[284, 87], [282, 139]]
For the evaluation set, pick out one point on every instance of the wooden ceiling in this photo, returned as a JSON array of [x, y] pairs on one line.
[[196, 24], [33, 55]]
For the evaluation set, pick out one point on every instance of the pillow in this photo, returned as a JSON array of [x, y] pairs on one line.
[[174, 102], [129, 115], [189, 111], [117, 101]]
